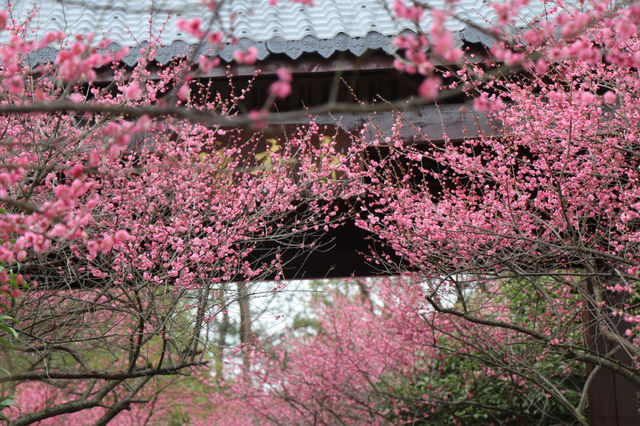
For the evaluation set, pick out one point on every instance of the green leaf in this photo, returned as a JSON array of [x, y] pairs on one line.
[[8, 401], [8, 330]]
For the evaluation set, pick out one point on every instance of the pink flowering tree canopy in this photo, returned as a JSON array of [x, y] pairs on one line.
[[128, 208]]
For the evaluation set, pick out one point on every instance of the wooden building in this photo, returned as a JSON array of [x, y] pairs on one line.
[[334, 49]]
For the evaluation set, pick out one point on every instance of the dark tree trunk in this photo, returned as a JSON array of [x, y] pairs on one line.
[[245, 321], [222, 337], [613, 399]]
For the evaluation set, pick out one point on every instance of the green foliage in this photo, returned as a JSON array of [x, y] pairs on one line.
[[506, 380], [7, 332], [302, 322], [5, 329], [179, 417], [6, 402], [469, 392]]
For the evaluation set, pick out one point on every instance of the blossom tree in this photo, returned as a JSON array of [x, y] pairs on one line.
[[542, 213], [547, 208], [380, 355], [126, 209], [122, 222]]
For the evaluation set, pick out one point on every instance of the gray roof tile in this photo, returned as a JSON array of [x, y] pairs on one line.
[[287, 28]]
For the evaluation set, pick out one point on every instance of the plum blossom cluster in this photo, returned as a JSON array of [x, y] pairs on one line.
[[589, 31]]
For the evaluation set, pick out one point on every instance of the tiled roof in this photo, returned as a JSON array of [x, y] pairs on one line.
[[287, 28]]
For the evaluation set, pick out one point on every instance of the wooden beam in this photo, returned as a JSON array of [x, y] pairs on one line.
[[456, 121]]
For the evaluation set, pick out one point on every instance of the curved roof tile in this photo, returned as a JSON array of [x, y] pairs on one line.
[[286, 28]]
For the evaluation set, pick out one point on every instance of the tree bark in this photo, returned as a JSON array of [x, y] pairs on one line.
[[245, 322], [222, 336], [613, 399]]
